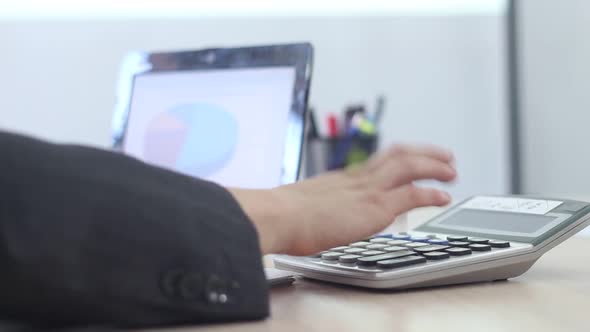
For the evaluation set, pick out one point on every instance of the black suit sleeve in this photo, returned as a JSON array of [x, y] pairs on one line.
[[95, 237]]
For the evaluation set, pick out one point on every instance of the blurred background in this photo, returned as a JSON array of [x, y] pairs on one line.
[[502, 83]]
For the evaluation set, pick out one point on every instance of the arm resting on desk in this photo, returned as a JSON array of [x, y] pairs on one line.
[[93, 237]]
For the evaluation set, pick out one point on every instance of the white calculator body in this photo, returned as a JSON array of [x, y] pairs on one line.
[[484, 238]]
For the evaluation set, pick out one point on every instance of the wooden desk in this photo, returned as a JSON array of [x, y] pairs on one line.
[[553, 296]]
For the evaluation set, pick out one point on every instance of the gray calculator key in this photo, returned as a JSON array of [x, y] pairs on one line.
[[400, 262], [340, 249], [380, 240], [331, 256], [430, 248], [318, 255], [415, 245], [499, 244], [436, 255], [377, 246], [372, 260], [457, 238], [397, 242], [480, 247], [459, 244], [355, 250], [458, 251], [394, 248], [359, 244], [348, 259], [478, 240], [432, 236], [371, 253]]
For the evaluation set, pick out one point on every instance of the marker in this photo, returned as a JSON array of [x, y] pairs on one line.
[[332, 126]]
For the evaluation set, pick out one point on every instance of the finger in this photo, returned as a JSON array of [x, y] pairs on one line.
[[404, 170], [398, 150], [408, 197]]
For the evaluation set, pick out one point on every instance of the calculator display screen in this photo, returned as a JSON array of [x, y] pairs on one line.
[[492, 221]]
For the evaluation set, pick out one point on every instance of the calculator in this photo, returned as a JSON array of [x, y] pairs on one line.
[[484, 238]]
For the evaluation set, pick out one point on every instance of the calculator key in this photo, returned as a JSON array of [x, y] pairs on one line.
[[480, 247], [499, 244], [398, 242], [413, 245], [458, 251], [419, 239], [384, 235], [348, 259], [478, 240], [431, 248], [377, 246], [339, 249], [359, 244], [371, 253], [332, 256], [432, 236], [401, 236], [457, 238], [355, 250], [436, 255], [400, 262], [372, 260], [459, 244], [318, 255], [380, 240], [438, 241], [394, 248]]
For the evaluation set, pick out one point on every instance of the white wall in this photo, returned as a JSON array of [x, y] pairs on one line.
[[443, 75], [556, 96]]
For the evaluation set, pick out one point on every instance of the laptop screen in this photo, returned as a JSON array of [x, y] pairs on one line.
[[228, 125]]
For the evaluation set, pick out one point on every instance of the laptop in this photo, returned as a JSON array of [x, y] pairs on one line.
[[234, 116]]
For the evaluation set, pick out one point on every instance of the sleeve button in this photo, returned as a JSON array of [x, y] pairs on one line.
[[191, 286]]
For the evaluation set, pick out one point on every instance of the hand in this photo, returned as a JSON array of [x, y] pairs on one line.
[[339, 207]]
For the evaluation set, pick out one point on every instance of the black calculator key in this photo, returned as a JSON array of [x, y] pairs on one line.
[[399, 262], [339, 249], [380, 240], [398, 242], [478, 240], [377, 246], [355, 250], [459, 244], [372, 260], [457, 238], [480, 247], [331, 256], [413, 245], [436, 255], [371, 253], [394, 248], [458, 251], [348, 259], [499, 244], [430, 248], [359, 244]]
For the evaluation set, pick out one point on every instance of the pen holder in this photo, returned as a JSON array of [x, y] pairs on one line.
[[328, 153]]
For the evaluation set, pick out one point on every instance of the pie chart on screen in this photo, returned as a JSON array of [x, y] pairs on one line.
[[195, 139]]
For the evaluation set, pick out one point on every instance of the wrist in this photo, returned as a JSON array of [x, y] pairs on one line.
[[269, 213]]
